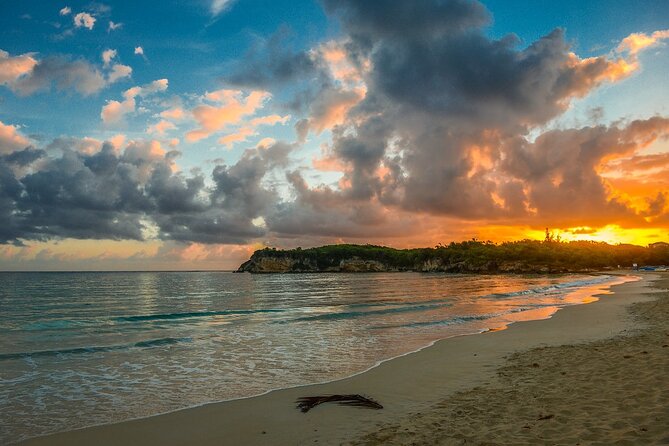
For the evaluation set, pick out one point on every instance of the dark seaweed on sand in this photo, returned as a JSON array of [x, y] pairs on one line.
[[306, 403]]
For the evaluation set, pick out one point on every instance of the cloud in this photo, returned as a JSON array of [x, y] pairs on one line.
[[433, 125], [560, 170], [161, 127], [11, 139], [156, 86], [269, 120], [218, 6], [330, 107], [12, 68], [64, 73], [114, 26], [239, 136], [270, 63], [26, 75], [251, 129], [108, 55], [118, 71], [86, 145], [107, 194], [113, 111], [65, 11], [441, 112], [25, 157], [333, 77], [637, 42], [231, 107], [366, 22], [84, 20], [175, 113]]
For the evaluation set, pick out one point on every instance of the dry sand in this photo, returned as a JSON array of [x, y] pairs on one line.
[[609, 392], [601, 377]]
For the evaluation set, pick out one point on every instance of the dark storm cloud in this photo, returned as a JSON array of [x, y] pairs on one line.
[[370, 21], [325, 212], [106, 195], [10, 190], [272, 62], [237, 198], [24, 157], [445, 105]]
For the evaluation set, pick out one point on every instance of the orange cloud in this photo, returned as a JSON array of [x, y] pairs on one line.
[[176, 113], [637, 42], [12, 68], [335, 57], [234, 107], [241, 135], [11, 138], [161, 127]]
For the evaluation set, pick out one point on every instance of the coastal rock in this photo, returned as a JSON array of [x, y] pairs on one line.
[[356, 265], [432, 265], [277, 264]]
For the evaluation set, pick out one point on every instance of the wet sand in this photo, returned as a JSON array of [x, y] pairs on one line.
[[504, 387]]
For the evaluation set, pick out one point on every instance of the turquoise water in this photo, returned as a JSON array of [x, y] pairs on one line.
[[79, 349]]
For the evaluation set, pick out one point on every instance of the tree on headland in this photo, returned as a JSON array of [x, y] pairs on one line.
[[551, 237]]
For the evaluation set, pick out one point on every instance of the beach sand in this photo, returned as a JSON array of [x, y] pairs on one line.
[[592, 374], [608, 392]]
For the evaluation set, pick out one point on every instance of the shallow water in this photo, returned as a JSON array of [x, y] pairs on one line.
[[78, 349]]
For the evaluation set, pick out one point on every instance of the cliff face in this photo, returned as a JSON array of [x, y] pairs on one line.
[[267, 261]]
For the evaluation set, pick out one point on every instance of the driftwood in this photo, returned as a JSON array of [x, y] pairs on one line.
[[306, 403]]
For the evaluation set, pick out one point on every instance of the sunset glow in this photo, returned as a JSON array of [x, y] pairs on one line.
[[130, 143]]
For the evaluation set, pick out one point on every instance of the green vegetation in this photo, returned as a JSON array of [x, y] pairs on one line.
[[478, 256]]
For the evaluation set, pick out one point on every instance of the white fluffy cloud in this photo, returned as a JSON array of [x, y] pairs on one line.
[[118, 71], [66, 11], [84, 20], [108, 55], [114, 111]]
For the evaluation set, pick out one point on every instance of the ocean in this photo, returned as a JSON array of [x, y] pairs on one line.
[[81, 349]]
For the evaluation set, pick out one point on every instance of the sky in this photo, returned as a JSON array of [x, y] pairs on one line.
[[169, 135]]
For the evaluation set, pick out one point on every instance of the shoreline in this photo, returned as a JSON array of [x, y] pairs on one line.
[[448, 366]]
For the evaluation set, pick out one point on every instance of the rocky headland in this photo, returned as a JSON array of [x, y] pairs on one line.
[[466, 257]]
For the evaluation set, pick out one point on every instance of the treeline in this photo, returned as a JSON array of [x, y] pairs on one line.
[[554, 255]]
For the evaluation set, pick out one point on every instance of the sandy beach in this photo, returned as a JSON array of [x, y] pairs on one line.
[[591, 374]]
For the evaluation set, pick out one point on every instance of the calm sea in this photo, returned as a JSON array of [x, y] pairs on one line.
[[79, 349]]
